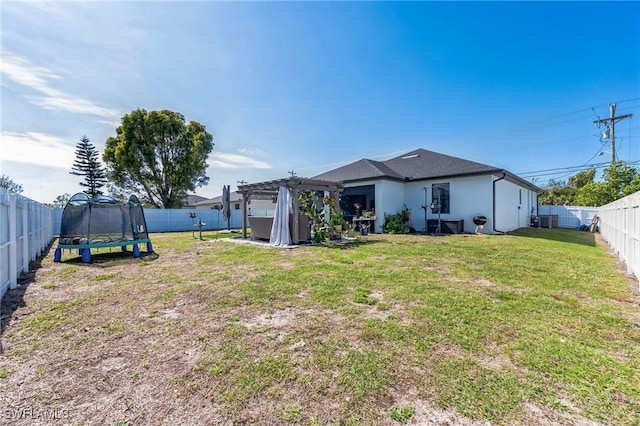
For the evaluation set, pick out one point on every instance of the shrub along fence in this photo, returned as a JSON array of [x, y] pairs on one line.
[[25, 232]]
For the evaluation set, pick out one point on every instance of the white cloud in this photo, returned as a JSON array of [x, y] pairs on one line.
[[37, 148], [20, 71], [235, 161]]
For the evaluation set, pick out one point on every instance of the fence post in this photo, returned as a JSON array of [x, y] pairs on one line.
[[631, 231], [13, 250], [26, 235]]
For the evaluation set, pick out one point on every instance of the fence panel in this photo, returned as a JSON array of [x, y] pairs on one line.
[[25, 232], [569, 216], [620, 227], [174, 220]]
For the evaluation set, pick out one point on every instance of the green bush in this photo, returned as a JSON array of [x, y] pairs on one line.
[[399, 223]]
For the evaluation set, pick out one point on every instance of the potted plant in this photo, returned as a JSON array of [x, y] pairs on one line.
[[350, 230], [337, 221]]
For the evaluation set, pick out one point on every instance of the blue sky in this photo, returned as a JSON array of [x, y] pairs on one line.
[[309, 86]]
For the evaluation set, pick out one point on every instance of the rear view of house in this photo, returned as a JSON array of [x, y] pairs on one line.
[[427, 181]]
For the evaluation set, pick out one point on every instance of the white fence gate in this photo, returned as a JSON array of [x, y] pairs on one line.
[[25, 232], [620, 226]]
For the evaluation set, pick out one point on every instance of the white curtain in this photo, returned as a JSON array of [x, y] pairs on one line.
[[280, 232]]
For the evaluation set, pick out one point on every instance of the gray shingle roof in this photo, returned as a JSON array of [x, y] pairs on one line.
[[361, 169], [415, 165]]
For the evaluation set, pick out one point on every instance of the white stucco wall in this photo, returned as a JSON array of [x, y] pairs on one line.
[[468, 197], [389, 199], [513, 206]]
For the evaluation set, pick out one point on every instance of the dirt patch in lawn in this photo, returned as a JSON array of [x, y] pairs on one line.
[[277, 319]]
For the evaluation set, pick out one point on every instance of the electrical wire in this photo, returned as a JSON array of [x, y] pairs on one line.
[[577, 169]]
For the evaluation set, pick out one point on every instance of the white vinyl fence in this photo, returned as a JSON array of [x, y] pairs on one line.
[[620, 226], [25, 232], [175, 220], [569, 216]]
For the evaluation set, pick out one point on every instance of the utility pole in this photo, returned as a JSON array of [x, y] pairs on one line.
[[611, 124], [292, 173], [241, 182]]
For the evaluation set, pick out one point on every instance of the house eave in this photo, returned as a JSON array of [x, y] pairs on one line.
[[510, 177]]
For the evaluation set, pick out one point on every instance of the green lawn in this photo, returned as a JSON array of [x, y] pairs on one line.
[[534, 327]]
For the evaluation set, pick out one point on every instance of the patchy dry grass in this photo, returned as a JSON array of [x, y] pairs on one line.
[[531, 328]]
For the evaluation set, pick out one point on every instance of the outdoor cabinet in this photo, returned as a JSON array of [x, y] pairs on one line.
[[261, 227], [447, 226]]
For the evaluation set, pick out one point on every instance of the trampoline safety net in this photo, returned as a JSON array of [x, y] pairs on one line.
[[102, 222]]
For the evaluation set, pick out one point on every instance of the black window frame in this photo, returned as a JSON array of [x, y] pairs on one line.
[[445, 197]]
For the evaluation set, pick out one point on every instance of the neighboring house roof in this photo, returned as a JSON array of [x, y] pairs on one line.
[[234, 197], [192, 200], [419, 164]]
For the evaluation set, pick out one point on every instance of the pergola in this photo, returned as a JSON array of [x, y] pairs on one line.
[[297, 185]]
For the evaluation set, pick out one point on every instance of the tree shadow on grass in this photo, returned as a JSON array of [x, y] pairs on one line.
[[348, 244], [14, 298], [563, 235]]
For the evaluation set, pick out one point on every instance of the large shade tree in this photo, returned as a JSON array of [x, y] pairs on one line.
[[87, 164], [557, 192], [619, 180], [158, 156]]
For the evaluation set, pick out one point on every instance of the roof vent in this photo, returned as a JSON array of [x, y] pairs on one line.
[[406, 157]]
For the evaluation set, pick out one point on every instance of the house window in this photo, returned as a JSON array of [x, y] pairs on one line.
[[236, 206], [440, 197]]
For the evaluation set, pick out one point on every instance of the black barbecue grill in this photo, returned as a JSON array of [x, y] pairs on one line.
[[479, 221]]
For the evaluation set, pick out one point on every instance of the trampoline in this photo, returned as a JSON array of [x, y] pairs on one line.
[[99, 223]]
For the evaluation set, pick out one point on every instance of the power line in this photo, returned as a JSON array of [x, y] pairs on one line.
[[580, 111], [559, 170], [610, 131]]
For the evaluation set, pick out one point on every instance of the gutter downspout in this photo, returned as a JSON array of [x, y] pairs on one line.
[[493, 221]]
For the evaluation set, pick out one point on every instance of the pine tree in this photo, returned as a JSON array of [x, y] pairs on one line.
[[87, 164]]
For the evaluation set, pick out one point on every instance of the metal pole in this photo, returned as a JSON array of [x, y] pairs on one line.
[[439, 210], [612, 134], [425, 209], [611, 124]]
